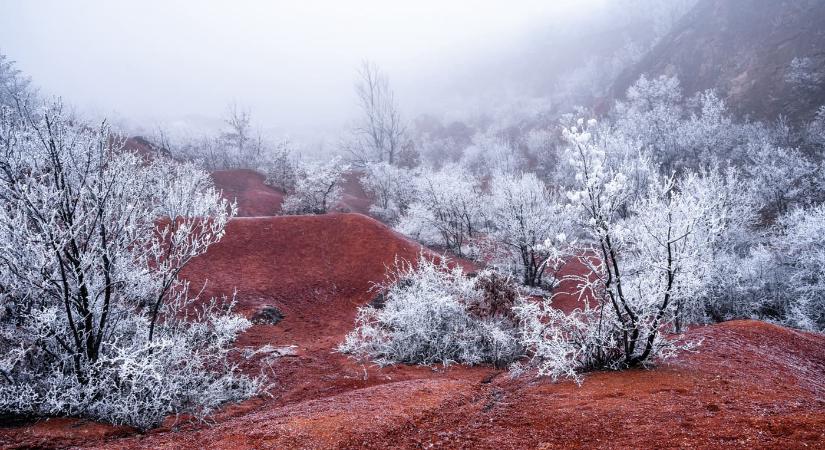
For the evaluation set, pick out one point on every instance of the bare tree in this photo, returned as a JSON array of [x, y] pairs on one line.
[[380, 134]]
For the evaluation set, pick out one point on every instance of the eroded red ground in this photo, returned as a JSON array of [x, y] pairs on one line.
[[256, 199], [750, 384], [249, 190]]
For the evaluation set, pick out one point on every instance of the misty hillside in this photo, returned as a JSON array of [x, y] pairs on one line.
[[472, 225], [744, 50]]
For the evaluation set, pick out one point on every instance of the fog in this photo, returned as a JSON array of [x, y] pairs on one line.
[[291, 63]]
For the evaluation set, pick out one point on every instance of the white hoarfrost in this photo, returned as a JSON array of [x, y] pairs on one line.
[[433, 314], [523, 216], [317, 188], [449, 210], [391, 188], [94, 319], [644, 256]]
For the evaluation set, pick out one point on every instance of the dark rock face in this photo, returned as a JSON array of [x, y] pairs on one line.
[[268, 315], [743, 49]]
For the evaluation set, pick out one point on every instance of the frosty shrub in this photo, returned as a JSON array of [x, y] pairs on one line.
[[391, 188], [564, 345], [449, 211], [94, 320], [436, 315], [499, 295], [317, 188]]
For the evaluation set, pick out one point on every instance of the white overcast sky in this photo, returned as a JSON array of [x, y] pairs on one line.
[[291, 62]]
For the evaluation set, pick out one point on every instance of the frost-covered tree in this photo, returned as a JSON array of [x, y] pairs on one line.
[[689, 134], [780, 177], [524, 216], [449, 211], [802, 73], [815, 131], [651, 116], [14, 86], [317, 188], [722, 290], [618, 151], [391, 188], [242, 148], [708, 132], [281, 168], [95, 320], [490, 152], [645, 259], [380, 134], [434, 314], [780, 277], [800, 255], [436, 151], [542, 144]]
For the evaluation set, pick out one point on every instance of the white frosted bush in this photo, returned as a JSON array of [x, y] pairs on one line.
[[427, 319], [391, 188], [317, 188], [449, 209]]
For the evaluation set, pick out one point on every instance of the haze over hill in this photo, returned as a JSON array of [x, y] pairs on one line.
[[745, 51], [334, 225], [293, 65]]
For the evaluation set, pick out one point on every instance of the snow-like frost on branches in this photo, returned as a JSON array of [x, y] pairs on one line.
[[449, 211], [391, 188], [523, 215], [801, 258], [317, 187], [646, 256], [94, 319], [435, 314]]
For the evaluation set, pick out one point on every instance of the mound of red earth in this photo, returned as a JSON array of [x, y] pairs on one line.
[[255, 198], [750, 384], [247, 187], [353, 197]]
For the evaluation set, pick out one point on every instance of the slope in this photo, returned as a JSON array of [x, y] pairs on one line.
[[743, 49]]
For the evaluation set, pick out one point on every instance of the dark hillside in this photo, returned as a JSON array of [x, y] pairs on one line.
[[743, 49]]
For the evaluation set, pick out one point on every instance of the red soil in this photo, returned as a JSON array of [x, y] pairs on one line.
[[255, 198], [353, 197], [142, 147], [247, 187], [750, 384]]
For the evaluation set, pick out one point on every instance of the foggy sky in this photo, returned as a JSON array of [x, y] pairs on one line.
[[291, 62]]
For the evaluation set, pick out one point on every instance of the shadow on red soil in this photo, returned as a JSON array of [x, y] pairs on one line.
[[750, 384]]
